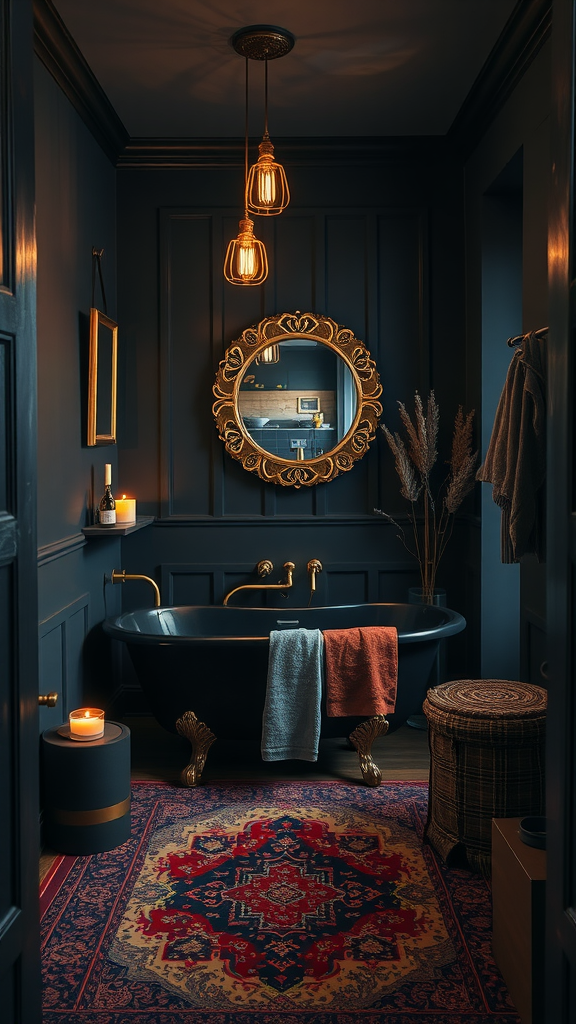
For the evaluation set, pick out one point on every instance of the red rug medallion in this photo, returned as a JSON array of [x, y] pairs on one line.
[[288, 902]]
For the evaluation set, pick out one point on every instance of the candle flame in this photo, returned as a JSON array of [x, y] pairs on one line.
[[123, 496], [86, 714]]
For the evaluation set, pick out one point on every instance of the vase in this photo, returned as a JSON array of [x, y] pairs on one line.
[[438, 672]]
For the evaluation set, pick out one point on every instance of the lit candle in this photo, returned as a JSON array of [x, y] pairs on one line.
[[125, 510], [86, 724]]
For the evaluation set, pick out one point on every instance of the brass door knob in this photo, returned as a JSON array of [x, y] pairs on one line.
[[48, 700]]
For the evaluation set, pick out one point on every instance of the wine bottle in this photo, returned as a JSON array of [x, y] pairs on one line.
[[107, 506]]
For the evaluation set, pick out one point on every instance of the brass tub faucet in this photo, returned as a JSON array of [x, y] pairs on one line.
[[120, 576], [264, 568]]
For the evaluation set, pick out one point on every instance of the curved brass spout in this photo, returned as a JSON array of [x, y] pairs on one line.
[[122, 576], [288, 566]]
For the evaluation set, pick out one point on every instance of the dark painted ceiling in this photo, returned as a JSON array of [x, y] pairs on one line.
[[360, 68]]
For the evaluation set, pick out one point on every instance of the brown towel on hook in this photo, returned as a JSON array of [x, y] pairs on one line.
[[515, 462]]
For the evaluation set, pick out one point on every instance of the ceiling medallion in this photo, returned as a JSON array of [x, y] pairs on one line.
[[262, 42]]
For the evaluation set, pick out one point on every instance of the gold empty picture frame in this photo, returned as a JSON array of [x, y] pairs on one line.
[[102, 379], [310, 404]]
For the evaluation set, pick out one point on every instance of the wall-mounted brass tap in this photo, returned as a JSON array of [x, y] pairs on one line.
[[264, 568], [314, 567], [121, 576]]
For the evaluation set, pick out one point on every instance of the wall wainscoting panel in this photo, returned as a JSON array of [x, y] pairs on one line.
[[59, 548], [366, 268], [338, 583], [61, 640]]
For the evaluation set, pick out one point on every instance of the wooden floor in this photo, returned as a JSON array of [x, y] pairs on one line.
[[160, 756]]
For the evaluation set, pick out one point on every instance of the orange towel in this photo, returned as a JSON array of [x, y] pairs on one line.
[[361, 670]]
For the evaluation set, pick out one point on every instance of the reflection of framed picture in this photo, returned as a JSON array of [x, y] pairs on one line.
[[311, 404]]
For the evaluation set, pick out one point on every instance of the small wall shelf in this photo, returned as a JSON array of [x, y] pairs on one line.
[[117, 531]]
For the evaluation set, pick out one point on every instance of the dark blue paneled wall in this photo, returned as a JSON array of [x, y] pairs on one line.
[[76, 209], [377, 245]]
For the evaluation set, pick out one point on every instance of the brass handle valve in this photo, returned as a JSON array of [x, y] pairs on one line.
[[289, 566], [264, 568], [314, 567]]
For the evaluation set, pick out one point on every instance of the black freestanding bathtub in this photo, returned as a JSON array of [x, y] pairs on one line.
[[212, 660]]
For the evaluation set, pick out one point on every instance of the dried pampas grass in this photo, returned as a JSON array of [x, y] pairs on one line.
[[415, 458]]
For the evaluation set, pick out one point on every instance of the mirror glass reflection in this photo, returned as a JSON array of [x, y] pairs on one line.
[[298, 399]]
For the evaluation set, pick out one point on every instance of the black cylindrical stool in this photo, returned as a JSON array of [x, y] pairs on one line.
[[486, 740], [86, 789]]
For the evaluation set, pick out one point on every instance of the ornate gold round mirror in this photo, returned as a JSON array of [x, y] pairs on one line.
[[297, 399]]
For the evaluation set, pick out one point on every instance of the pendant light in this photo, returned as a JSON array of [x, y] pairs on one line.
[[246, 262], [267, 192]]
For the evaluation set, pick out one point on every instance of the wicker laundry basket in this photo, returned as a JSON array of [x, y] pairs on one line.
[[486, 761]]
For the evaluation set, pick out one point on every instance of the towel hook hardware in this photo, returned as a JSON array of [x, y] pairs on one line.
[[520, 337]]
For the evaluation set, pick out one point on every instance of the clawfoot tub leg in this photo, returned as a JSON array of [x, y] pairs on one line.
[[201, 738], [362, 739]]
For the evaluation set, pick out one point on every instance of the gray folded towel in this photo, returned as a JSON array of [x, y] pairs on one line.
[[291, 719]]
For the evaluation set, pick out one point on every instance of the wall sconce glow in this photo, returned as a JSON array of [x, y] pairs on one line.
[[246, 261]]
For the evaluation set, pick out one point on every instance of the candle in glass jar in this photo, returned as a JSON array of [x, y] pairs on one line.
[[86, 724], [125, 510]]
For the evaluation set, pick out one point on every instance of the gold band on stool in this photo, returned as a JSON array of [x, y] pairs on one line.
[[96, 817]]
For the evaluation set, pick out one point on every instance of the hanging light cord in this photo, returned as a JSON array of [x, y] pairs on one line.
[[246, 145], [266, 98]]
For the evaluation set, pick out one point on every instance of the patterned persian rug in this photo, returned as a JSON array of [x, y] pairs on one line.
[[290, 903]]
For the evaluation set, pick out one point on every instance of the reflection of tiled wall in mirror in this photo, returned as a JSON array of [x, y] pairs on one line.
[[283, 404]]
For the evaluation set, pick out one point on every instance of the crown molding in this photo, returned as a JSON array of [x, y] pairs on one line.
[[522, 38], [211, 153], [525, 33], [56, 48]]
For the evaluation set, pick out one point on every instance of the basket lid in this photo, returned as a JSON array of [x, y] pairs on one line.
[[489, 698]]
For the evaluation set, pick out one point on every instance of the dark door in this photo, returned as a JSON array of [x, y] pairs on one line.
[[19, 846], [561, 537]]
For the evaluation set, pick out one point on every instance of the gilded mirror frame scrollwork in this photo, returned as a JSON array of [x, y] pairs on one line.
[[242, 353]]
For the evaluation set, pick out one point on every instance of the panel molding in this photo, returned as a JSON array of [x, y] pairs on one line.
[[331, 519], [210, 470], [66, 612], [59, 621], [338, 151], [169, 217], [59, 548], [219, 575]]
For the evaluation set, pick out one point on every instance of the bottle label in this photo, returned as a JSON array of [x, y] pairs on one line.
[[108, 518]]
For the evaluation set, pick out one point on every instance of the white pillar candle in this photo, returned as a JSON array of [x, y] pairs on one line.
[[125, 510], [86, 724]]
